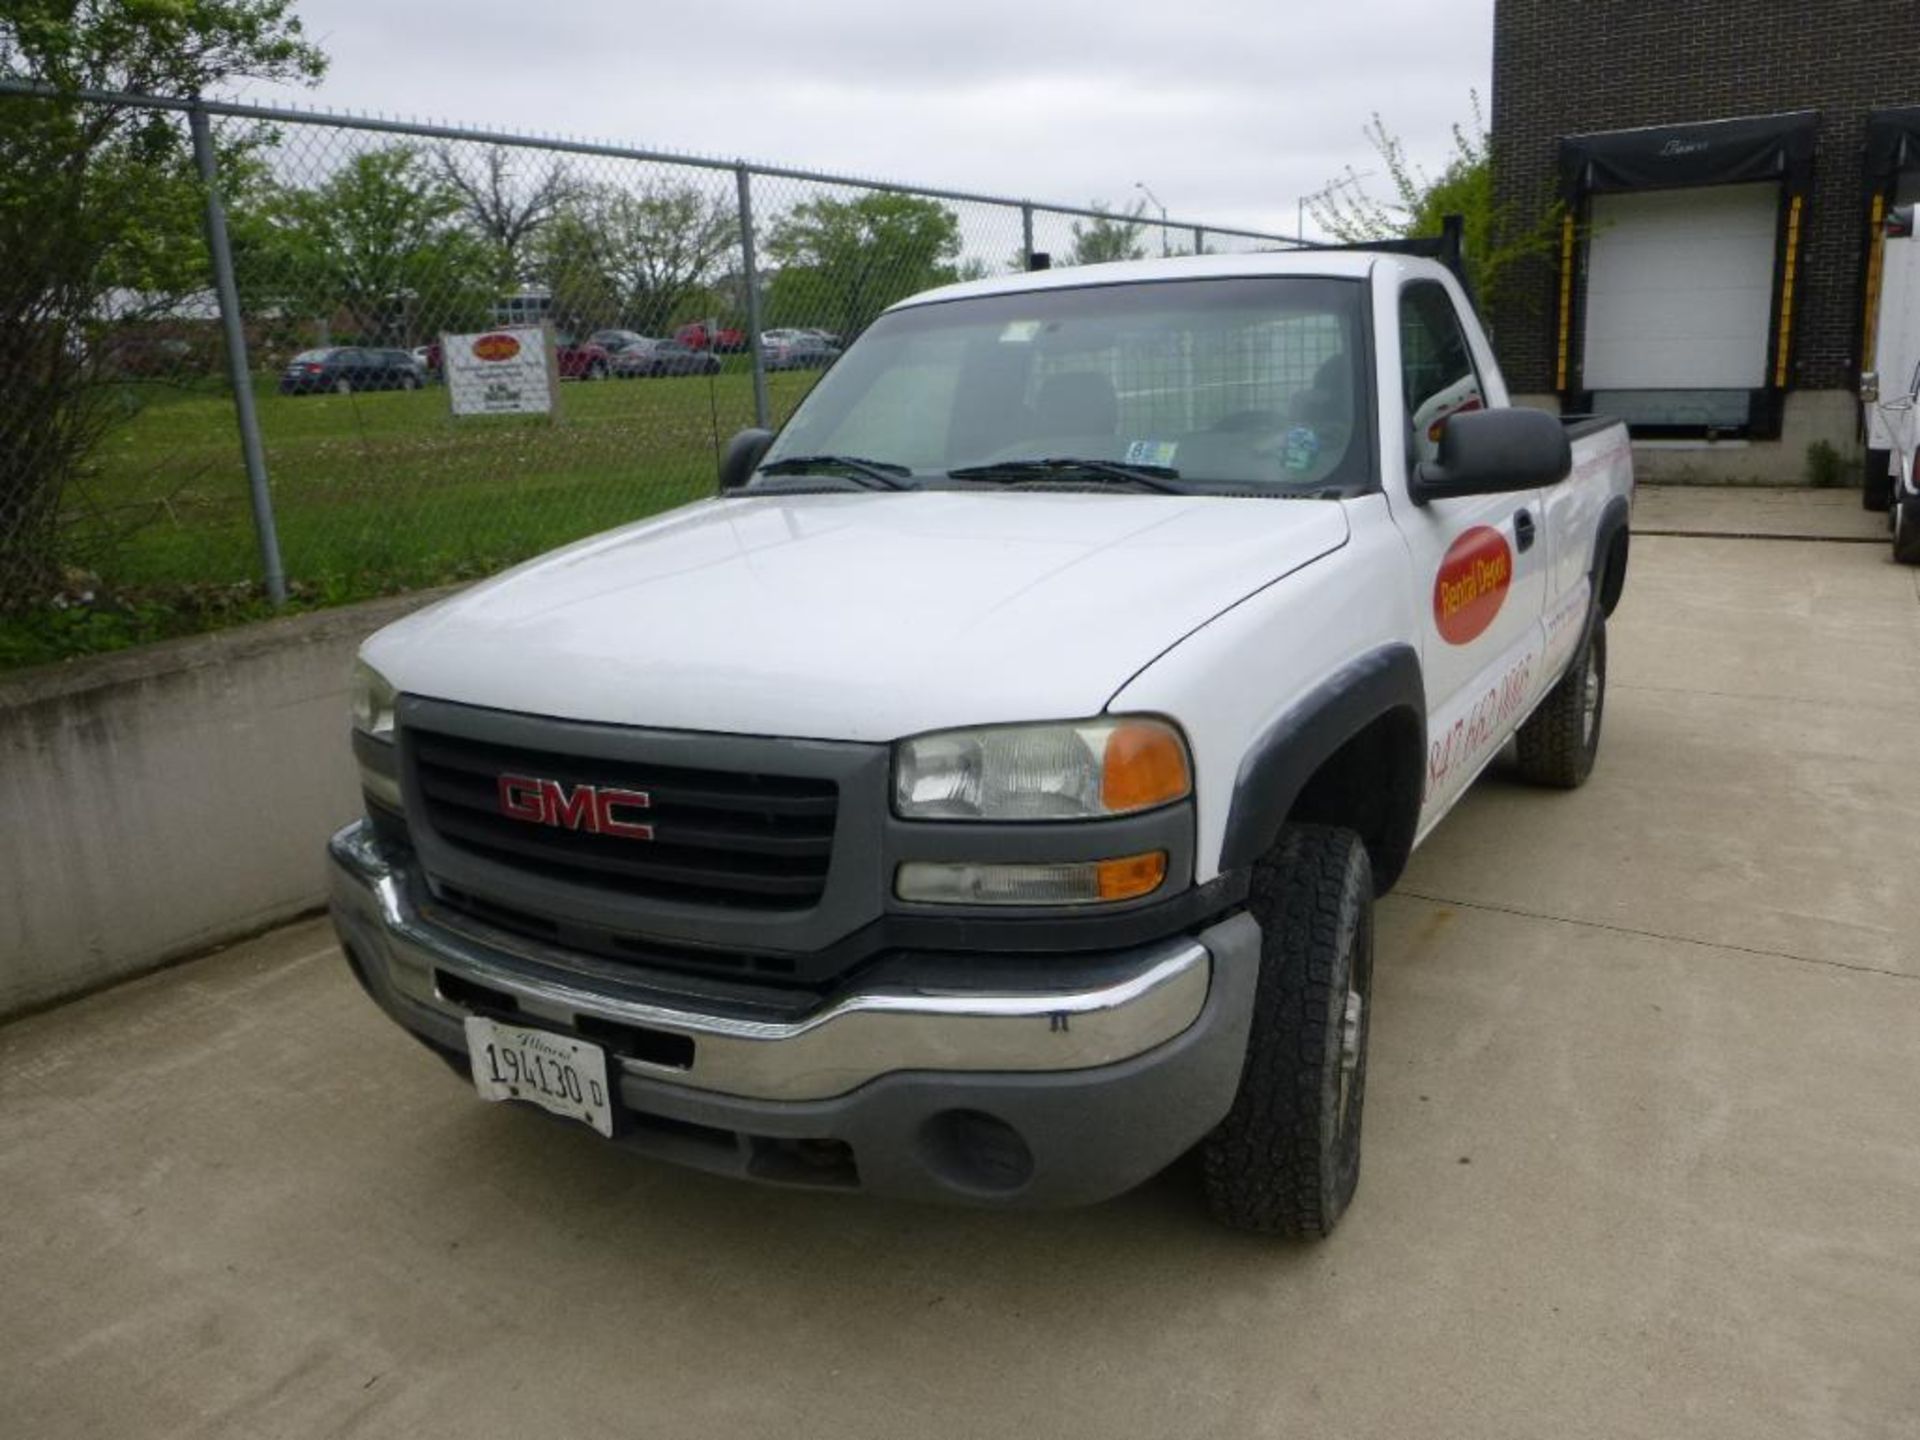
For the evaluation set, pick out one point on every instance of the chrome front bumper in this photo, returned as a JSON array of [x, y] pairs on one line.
[[852, 1038]]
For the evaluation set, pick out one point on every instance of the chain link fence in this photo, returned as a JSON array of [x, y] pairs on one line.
[[224, 385]]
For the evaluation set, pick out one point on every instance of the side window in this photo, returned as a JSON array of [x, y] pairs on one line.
[[1436, 366]]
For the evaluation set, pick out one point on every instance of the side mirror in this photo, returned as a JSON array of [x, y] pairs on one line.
[[1869, 387], [742, 457], [1487, 452]]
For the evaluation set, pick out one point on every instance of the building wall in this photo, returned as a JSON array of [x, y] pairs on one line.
[[1563, 69]]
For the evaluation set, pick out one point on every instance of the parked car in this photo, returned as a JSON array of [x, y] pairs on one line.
[[726, 341], [581, 359], [346, 368], [616, 340], [805, 351], [662, 357], [998, 817]]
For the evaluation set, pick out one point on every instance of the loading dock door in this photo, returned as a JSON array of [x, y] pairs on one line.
[[1680, 289]]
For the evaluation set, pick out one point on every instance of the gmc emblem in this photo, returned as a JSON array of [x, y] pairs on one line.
[[585, 807]]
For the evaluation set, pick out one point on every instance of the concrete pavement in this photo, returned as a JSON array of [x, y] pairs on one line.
[[1642, 1152]]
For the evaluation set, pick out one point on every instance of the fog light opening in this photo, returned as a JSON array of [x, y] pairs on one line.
[[972, 1150]]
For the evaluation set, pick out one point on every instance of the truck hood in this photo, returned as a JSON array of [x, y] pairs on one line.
[[855, 616]]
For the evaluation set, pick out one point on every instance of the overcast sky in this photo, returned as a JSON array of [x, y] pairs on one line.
[[1230, 110]]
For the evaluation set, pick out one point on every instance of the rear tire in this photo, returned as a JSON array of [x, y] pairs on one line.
[[1876, 485], [1560, 740], [1906, 531], [343, 387], [1286, 1159]]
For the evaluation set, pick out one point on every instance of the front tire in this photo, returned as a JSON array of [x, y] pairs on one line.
[[1876, 484], [1561, 739], [1286, 1159]]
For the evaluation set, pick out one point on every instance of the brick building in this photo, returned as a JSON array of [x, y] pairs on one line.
[[1726, 172]]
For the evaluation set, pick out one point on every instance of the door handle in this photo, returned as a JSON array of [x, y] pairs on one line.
[[1523, 528]]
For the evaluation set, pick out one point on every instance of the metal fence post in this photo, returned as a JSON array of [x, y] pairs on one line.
[[238, 370], [1199, 239], [750, 277], [1026, 234]]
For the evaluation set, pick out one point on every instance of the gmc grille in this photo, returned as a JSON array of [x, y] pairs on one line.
[[744, 841]]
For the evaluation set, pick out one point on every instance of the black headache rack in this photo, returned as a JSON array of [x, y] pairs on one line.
[[1449, 247]]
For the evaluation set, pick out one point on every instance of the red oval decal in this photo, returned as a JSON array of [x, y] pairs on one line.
[[495, 347], [1472, 584]]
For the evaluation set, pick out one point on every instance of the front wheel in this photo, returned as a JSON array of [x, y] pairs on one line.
[[409, 382], [1560, 740], [596, 371], [1286, 1159]]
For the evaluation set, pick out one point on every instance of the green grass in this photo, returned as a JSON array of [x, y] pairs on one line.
[[372, 494]]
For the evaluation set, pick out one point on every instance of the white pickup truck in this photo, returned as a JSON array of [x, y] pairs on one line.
[[985, 796], [1890, 388]]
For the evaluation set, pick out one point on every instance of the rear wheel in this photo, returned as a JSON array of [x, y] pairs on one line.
[[1906, 531], [1876, 486], [1286, 1159], [343, 386], [1560, 739], [409, 382], [597, 370]]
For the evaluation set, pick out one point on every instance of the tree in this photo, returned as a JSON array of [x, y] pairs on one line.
[[1107, 237], [841, 262], [1496, 238], [379, 245], [634, 256], [99, 204], [505, 212]]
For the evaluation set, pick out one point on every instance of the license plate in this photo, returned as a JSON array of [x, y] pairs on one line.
[[558, 1073]]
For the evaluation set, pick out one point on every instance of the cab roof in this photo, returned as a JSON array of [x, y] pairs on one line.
[[1315, 264]]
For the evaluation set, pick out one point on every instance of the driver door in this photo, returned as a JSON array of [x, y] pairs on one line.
[[1480, 562]]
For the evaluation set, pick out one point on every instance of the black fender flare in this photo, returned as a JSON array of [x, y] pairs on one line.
[[1608, 580], [1285, 756]]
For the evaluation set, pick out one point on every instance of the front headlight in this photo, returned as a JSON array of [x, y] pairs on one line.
[[1086, 770], [371, 699]]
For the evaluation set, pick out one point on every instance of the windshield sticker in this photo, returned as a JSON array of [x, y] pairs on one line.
[[1152, 452], [1300, 449], [1020, 332]]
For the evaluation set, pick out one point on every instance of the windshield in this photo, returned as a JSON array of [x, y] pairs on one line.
[[1243, 383]]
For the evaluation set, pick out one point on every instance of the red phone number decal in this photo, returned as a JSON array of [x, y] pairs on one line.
[[1488, 720]]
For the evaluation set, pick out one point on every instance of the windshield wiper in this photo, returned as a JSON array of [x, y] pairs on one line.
[[1067, 467], [875, 474]]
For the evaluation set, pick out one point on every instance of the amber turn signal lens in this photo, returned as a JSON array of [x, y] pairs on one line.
[[1133, 876], [1146, 765]]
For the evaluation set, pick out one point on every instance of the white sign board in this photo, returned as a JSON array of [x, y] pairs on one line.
[[509, 371]]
